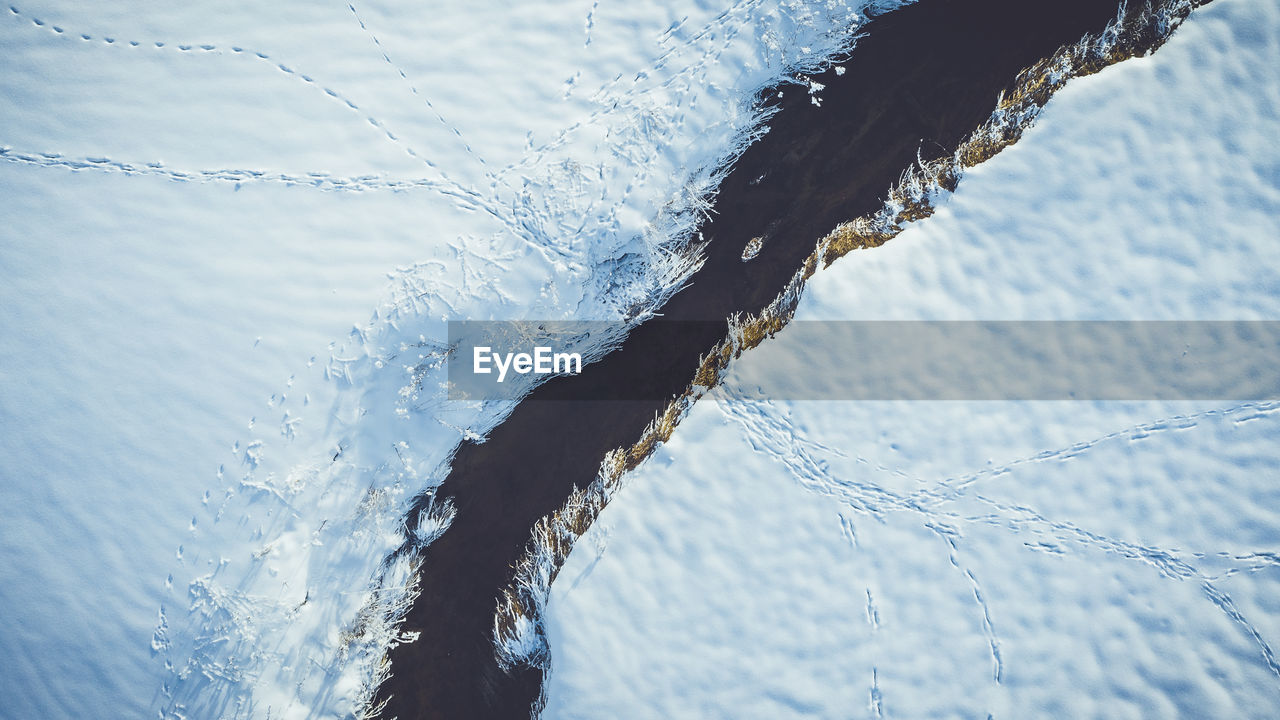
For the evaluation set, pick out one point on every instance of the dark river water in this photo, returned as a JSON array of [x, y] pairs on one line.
[[919, 82]]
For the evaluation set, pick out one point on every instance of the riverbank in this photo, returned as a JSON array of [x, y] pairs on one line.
[[917, 85]]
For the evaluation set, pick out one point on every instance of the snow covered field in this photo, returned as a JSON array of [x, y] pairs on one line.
[[231, 238], [997, 559]]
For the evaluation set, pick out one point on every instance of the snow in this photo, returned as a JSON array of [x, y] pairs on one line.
[[975, 559], [232, 238]]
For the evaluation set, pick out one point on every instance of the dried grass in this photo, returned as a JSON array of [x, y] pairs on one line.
[[1133, 33]]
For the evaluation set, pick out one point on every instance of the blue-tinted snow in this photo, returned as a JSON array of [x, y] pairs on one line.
[[964, 559], [231, 236]]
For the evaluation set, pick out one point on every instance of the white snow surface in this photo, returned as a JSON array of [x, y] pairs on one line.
[[984, 559], [231, 236]]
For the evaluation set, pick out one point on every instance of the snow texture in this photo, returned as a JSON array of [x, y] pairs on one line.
[[993, 559], [231, 240]]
